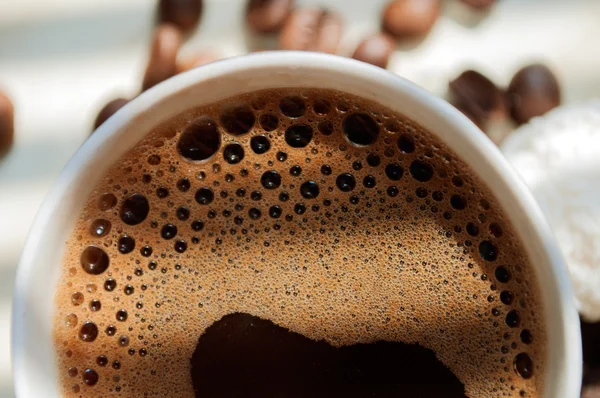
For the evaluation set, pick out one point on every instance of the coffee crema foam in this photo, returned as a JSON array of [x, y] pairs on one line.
[[326, 214]]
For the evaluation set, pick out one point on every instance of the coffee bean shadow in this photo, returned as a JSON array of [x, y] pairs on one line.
[[4, 156], [465, 16], [408, 44]]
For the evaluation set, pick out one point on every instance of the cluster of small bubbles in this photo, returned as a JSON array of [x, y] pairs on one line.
[[306, 197]]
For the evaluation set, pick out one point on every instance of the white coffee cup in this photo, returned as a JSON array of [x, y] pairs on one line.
[[34, 362]]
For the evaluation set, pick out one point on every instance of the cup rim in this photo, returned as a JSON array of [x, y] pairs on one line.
[[565, 366]]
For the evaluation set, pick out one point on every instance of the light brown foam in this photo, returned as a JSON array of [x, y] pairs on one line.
[[386, 268]]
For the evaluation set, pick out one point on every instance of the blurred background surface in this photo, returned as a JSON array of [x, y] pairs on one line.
[[62, 60]]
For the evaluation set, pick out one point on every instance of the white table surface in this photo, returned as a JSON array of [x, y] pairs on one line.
[[61, 60]]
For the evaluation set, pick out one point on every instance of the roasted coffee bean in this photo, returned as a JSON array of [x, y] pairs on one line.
[[108, 110], [479, 5], [311, 29], [185, 14], [410, 18], [478, 98], [533, 91], [267, 16], [7, 129], [195, 60], [375, 50], [163, 55]]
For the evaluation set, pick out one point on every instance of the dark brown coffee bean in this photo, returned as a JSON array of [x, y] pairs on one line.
[[108, 110], [267, 16], [163, 55], [311, 29], [533, 91], [479, 5], [375, 50], [183, 13], [477, 97], [195, 60], [410, 18], [7, 123]]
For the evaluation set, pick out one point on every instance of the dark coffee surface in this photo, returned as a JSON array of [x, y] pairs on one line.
[[243, 355], [590, 334]]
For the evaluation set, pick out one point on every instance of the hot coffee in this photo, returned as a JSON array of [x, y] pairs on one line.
[[296, 243]]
